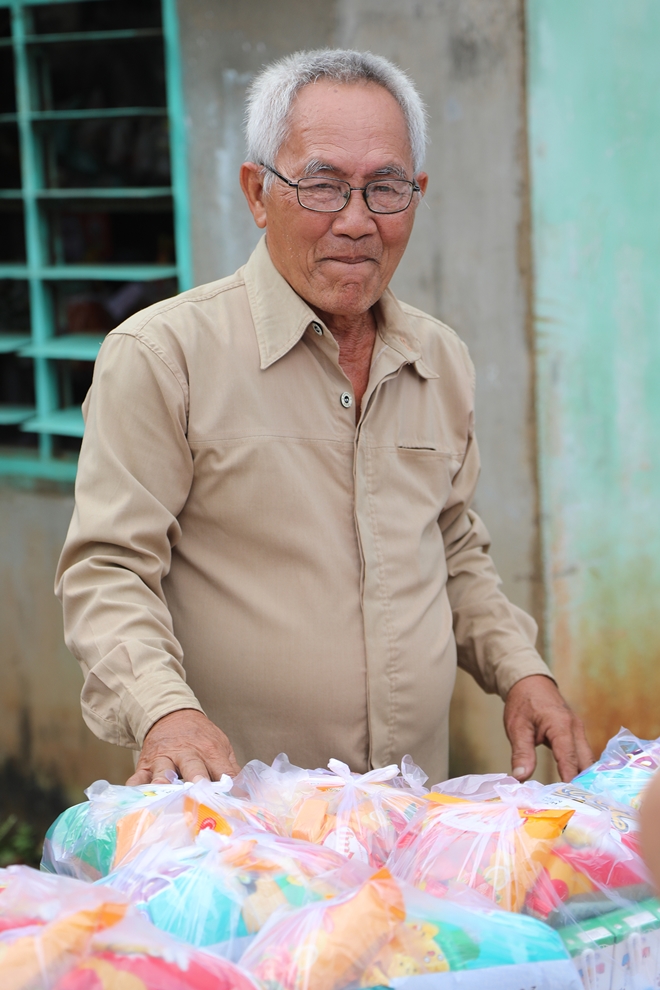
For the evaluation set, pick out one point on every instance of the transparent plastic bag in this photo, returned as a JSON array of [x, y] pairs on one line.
[[461, 932], [497, 848], [363, 817], [327, 946], [59, 933], [359, 815], [221, 890], [46, 923], [593, 868], [623, 770], [136, 956], [88, 840]]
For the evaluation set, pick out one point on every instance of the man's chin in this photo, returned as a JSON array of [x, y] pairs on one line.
[[346, 298]]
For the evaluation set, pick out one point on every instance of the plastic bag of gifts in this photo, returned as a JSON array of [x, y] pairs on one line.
[[57, 933], [358, 815], [625, 767], [220, 890], [383, 933], [595, 891], [88, 840], [497, 848]]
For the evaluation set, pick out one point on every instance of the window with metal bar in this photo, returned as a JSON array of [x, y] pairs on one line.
[[93, 204]]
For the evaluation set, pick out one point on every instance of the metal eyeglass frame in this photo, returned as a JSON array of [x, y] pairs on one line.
[[363, 189]]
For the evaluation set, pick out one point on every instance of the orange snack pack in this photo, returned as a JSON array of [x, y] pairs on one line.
[[328, 946]]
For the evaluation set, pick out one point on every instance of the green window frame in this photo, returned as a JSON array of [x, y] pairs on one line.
[[51, 417]]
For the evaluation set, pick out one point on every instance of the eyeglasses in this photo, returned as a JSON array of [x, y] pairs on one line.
[[323, 194]]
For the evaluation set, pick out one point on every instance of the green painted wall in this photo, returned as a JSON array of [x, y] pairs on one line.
[[594, 126]]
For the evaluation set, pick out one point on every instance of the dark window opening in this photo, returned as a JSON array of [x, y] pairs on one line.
[[102, 153]]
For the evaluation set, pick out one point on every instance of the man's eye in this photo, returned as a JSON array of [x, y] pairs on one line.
[[383, 188]]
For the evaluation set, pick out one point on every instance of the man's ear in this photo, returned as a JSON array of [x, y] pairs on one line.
[[422, 181], [252, 184]]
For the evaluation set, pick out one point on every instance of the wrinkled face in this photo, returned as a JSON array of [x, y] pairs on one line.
[[340, 263]]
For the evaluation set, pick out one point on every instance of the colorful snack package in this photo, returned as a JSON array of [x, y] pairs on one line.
[[223, 889], [359, 815], [497, 849], [593, 868], [64, 915], [623, 770], [327, 946], [459, 933], [362, 817], [90, 839], [133, 955]]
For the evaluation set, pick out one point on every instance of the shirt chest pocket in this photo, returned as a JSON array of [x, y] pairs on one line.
[[411, 482]]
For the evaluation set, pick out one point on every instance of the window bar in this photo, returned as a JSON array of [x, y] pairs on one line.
[[178, 145], [40, 311]]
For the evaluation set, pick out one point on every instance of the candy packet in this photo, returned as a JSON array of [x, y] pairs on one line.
[[59, 933], [88, 840], [623, 770], [497, 848], [359, 815], [327, 946], [220, 890]]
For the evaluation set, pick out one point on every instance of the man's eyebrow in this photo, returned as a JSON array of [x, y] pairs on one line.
[[391, 170], [315, 165]]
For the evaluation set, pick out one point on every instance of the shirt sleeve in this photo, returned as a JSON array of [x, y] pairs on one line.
[[134, 475], [494, 638]]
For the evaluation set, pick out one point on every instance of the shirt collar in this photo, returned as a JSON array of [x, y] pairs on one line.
[[281, 317]]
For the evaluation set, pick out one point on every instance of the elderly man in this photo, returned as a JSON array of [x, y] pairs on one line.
[[273, 547]]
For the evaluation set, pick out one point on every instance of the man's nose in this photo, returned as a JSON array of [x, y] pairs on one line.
[[356, 219]]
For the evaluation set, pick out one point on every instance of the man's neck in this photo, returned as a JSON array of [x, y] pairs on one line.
[[355, 336]]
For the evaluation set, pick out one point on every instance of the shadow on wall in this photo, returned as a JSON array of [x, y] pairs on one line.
[[27, 808]]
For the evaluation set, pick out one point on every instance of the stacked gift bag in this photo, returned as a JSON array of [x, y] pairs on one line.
[[286, 878]]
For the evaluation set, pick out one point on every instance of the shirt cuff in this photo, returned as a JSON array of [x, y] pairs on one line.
[[527, 663]]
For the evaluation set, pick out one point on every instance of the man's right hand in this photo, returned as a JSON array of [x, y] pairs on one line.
[[187, 742]]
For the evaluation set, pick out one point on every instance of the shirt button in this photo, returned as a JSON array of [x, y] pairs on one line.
[[317, 329], [346, 400]]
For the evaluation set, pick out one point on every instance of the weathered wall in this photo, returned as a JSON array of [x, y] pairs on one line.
[[466, 262], [41, 727], [594, 97]]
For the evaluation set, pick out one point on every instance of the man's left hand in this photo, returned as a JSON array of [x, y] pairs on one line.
[[536, 713]]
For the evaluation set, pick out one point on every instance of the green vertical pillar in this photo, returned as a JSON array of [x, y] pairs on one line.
[[32, 181], [594, 132], [178, 144]]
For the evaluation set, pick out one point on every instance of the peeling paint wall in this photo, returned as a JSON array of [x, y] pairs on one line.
[[594, 105]]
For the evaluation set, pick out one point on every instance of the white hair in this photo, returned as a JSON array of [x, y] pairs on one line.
[[271, 95]]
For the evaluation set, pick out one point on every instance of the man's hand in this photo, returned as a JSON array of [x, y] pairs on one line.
[[188, 743], [536, 713]]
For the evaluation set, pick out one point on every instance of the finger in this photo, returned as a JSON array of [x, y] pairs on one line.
[[584, 753], [141, 776], [226, 764], [159, 766], [523, 750], [193, 768], [564, 749]]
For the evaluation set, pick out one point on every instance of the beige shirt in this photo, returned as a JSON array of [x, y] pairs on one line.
[[240, 545]]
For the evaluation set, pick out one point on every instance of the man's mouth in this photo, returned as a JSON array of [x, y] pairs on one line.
[[359, 260]]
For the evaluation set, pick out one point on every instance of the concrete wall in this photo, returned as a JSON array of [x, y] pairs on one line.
[[41, 727], [594, 86], [467, 261]]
